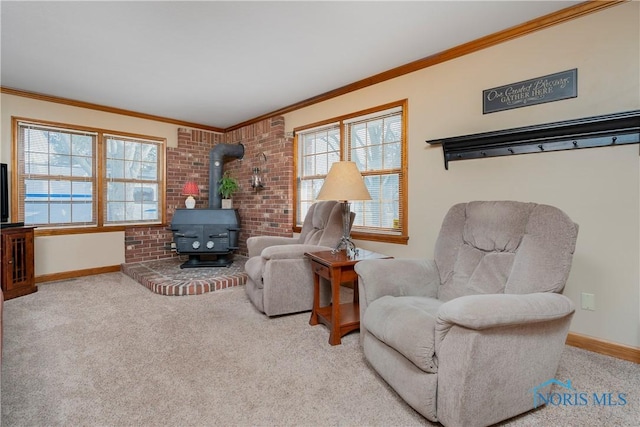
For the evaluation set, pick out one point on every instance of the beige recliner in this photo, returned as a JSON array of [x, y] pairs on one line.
[[466, 337], [280, 280]]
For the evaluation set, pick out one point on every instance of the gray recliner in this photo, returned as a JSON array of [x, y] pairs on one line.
[[280, 280], [466, 337]]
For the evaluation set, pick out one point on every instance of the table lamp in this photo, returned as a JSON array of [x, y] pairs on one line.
[[190, 189], [344, 183]]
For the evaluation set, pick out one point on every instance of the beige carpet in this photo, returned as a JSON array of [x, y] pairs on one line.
[[105, 351]]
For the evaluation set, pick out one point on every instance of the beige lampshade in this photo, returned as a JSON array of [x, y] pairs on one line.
[[344, 182]]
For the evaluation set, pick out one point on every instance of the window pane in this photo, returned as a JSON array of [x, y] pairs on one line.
[[132, 151], [149, 171], [36, 141], [115, 169], [307, 144], [322, 164], [144, 193], [60, 190], [307, 166], [133, 211], [307, 193], [82, 212], [333, 140], [374, 158], [149, 153], [82, 167], [59, 165], [60, 213], [36, 190], [82, 145], [321, 143], [130, 188], [333, 157], [306, 190], [393, 129], [150, 211], [116, 192], [358, 135], [36, 213], [115, 211], [82, 191], [131, 170], [36, 163], [374, 132], [392, 156], [115, 149], [60, 143]]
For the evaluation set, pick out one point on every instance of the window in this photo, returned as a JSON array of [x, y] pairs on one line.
[[376, 141], [132, 180], [80, 177]]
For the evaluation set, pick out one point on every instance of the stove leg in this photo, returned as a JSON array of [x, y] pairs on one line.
[[194, 261], [222, 260]]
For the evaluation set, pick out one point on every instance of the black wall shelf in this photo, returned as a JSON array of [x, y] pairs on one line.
[[598, 131]]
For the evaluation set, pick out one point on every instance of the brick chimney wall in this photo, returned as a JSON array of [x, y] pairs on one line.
[[262, 212], [268, 211]]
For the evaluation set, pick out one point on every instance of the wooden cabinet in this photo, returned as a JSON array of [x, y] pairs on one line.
[[17, 262]]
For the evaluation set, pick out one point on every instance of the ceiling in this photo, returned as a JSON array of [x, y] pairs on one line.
[[221, 63]]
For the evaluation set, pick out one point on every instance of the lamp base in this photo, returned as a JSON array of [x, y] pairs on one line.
[[348, 245], [345, 241], [190, 202]]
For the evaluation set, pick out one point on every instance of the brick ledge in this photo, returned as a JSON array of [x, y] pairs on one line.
[[165, 277]]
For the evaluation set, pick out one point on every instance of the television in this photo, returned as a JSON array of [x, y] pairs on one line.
[[4, 192]]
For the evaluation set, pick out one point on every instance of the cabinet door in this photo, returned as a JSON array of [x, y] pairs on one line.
[[18, 260]]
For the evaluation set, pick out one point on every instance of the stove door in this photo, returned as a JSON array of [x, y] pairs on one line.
[[217, 238], [189, 238]]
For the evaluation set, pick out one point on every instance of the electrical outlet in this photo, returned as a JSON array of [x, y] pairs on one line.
[[173, 246], [588, 301]]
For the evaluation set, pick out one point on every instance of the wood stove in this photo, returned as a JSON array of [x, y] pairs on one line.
[[213, 231], [199, 232]]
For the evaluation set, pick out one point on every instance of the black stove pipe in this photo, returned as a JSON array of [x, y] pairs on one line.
[[216, 163]]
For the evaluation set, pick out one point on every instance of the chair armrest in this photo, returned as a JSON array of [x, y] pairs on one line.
[[397, 277], [256, 244], [496, 310], [502, 345], [291, 251]]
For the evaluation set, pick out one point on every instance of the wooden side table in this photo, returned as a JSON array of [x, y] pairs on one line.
[[340, 318]]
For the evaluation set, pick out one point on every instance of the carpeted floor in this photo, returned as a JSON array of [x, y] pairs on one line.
[[105, 351]]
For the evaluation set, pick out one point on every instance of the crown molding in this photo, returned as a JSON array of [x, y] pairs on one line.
[[98, 107]]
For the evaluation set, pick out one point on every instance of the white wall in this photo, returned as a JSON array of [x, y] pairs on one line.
[[598, 188], [71, 252], [56, 254]]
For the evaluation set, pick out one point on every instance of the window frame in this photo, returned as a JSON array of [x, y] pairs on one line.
[[342, 122], [99, 181]]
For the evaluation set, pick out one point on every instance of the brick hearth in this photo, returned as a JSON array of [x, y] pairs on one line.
[[165, 277]]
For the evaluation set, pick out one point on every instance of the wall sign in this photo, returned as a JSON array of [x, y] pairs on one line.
[[552, 87]]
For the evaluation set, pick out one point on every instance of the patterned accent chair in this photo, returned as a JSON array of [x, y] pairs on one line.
[[465, 337]]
